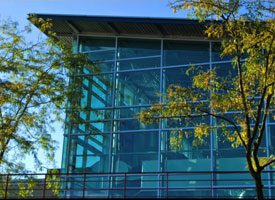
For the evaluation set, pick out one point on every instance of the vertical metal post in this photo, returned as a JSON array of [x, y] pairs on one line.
[[84, 186], [167, 187], [44, 186], [111, 170], [160, 123], [211, 124], [267, 135], [6, 188], [125, 187]]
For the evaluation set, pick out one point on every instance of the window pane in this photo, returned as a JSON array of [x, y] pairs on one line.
[[135, 162], [101, 91], [131, 142], [138, 63], [130, 48], [185, 52], [131, 112], [216, 53], [178, 76], [137, 88], [185, 154], [94, 43], [132, 124]]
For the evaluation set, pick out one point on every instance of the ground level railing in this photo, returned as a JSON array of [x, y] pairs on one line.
[[218, 184]]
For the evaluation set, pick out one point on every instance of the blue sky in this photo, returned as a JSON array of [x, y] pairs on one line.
[[18, 10]]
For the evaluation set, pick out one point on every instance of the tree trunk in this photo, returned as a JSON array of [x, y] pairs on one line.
[[259, 186]]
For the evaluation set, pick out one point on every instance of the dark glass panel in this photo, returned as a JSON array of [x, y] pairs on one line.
[[131, 142], [129, 112], [132, 124], [100, 114], [102, 55], [130, 48], [137, 88], [178, 76], [225, 70], [96, 43], [185, 52], [216, 53], [135, 162], [138, 63], [96, 68], [271, 130], [186, 155]]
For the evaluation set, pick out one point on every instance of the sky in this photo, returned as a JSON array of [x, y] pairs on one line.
[[19, 9]]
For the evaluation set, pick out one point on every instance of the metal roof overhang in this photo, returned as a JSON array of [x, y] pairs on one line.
[[66, 26]]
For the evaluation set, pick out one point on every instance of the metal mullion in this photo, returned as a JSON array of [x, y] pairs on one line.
[[267, 134], [160, 122], [211, 124], [112, 114], [69, 142]]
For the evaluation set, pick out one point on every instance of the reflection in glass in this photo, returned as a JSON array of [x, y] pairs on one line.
[[138, 63], [137, 88], [130, 48], [185, 52], [96, 44]]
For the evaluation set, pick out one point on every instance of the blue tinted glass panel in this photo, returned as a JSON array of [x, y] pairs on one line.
[[131, 112], [130, 48], [137, 88], [131, 142], [185, 52], [100, 56], [186, 154], [138, 63], [216, 53], [132, 124], [101, 91], [100, 114], [271, 130], [93, 43]]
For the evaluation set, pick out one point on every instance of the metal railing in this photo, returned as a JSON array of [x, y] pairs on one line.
[[218, 184]]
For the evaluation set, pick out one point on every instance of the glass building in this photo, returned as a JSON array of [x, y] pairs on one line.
[[136, 60]]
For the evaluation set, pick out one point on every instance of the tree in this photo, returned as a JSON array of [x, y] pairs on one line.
[[246, 31], [33, 91]]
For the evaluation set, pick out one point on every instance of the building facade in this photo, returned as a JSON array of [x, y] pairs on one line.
[[136, 59]]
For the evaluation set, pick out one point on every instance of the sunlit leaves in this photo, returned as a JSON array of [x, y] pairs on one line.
[[34, 86]]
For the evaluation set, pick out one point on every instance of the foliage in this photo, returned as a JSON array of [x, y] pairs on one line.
[[33, 91], [246, 31], [26, 187], [53, 182]]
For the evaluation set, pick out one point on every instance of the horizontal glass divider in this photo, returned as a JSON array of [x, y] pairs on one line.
[[186, 65], [136, 131], [110, 108], [138, 70], [99, 50], [138, 58], [92, 74], [87, 134], [137, 153]]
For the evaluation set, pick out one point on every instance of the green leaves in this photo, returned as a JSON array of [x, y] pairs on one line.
[[34, 86]]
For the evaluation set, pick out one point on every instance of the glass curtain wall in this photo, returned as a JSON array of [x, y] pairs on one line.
[[130, 75]]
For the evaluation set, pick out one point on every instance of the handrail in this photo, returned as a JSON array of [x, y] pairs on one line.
[[88, 184]]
